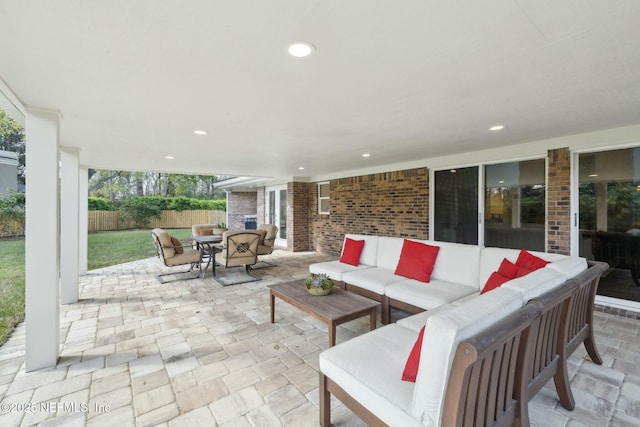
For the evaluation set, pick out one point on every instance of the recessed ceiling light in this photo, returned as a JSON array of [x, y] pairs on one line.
[[200, 132], [496, 127], [593, 175], [301, 168], [169, 157], [366, 155], [301, 49]]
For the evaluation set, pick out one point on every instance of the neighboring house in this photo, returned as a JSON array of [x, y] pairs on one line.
[[8, 172]]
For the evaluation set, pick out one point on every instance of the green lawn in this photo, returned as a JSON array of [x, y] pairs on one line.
[[105, 249]]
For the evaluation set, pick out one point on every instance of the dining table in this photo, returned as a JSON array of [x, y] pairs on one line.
[[208, 246]]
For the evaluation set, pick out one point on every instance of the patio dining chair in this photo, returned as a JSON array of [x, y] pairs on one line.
[[172, 254], [268, 233], [240, 249]]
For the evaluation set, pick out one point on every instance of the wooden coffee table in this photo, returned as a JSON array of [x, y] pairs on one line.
[[334, 309]]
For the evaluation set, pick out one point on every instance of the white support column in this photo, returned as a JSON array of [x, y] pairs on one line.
[[69, 219], [42, 242], [83, 220]]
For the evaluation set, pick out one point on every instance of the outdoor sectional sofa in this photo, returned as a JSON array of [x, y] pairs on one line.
[[482, 356]]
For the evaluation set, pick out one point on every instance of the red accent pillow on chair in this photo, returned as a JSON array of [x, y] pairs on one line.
[[417, 260], [351, 251], [413, 362], [530, 261]]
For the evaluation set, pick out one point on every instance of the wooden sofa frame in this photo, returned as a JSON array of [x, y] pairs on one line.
[[483, 369], [563, 320]]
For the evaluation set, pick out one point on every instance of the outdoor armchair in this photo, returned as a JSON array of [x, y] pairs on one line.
[[268, 233], [240, 248], [172, 253]]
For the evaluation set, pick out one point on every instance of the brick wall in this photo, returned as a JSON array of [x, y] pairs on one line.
[[298, 216], [559, 201], [384, 204], [240, 204]]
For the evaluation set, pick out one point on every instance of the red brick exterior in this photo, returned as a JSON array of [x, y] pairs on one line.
[[559, 201], [384, 204], [298, 216], [240, 204]]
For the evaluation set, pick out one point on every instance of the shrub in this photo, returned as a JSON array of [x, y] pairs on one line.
[[12, 206], [101, 204], [140, 210]]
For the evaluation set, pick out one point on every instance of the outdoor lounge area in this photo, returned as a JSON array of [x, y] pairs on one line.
[[137, 352]]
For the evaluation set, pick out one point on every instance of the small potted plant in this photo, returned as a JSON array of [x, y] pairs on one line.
[[219, 228], [319, 284]]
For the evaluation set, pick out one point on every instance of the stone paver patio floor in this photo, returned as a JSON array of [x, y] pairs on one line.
[[191, 352]]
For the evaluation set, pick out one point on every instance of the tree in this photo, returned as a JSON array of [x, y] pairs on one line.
[[12, 139]]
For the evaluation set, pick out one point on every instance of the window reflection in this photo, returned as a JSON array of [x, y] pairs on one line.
[[609, 218], [515, 205]]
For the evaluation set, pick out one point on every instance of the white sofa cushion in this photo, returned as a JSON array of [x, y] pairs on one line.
[[569, 266], [490, 259], [415, 322], [374, 279], [389, 249], [369, 368], [444, 331], [535, 283], [427, 295], [335, 269], [456, 263], [369, 251]]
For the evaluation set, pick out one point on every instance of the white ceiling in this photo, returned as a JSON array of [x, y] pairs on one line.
[[401, 80]]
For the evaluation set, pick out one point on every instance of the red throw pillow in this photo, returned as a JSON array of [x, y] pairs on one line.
[[413, 361], [494, 281], [351, 252], [417, 260], [508, 269], [523, 271], [530, 261]]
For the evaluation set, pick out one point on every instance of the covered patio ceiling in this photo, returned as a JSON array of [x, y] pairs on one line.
[[401, 81]]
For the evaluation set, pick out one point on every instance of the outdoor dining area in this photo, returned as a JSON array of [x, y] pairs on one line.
[[190, 352], [228, 248]]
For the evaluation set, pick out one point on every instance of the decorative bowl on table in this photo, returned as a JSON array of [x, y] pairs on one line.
[[319, 284]]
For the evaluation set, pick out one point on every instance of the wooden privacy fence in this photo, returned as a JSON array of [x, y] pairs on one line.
[[110, 220]]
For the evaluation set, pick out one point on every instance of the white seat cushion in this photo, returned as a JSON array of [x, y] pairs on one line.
[[374, 279], [427, 295], [569, 266], [369, 368], [535, 283], [444, 331], [415, 322], [335, 269], [369, 250], [457, 263]]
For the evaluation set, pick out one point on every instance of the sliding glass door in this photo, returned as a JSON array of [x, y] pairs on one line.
[[456, 205], [500, 205], [609, 218], [514, 205]]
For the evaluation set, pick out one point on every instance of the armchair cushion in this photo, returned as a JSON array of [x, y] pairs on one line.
[[177, 245], [165, 243]]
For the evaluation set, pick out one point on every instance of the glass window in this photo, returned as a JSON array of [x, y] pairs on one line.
[[323, 198], [609, 218], [514, 202], [456, 205]]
